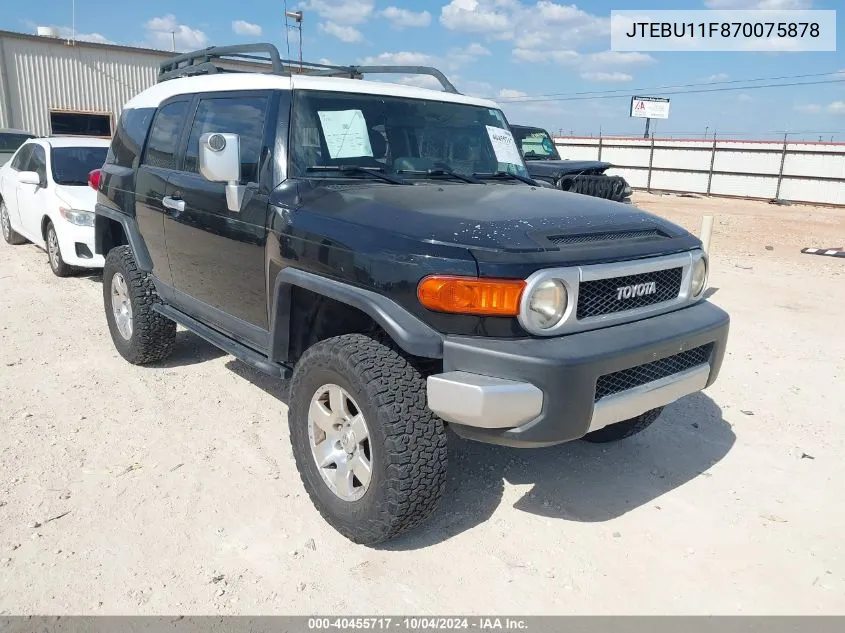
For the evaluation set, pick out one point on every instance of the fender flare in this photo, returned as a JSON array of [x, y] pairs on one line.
[[410, 333], [130, 229]]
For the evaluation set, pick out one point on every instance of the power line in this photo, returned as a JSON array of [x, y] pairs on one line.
[[628, 91], [680, 92]]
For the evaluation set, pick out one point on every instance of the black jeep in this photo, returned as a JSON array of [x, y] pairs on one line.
[[587, 177], [385, 249]]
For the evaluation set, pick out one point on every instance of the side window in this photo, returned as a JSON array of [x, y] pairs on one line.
[[130, 136], [38, 162], [243, 116], [21, 161], [164, 137]]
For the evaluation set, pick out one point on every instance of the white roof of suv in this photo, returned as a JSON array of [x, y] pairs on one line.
[[152, 97]]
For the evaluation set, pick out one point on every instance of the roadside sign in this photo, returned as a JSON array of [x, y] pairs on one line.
[[650, 107]]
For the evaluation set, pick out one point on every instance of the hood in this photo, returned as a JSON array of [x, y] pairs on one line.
[[77, 197], [556, 168], [496, 222]]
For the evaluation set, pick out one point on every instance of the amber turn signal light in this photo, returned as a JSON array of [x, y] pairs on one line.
[[470, 295]]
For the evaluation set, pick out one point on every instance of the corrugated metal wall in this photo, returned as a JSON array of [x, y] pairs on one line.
[[42, 74], [798, 171]]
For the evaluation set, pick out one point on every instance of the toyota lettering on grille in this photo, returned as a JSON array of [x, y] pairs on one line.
[[636, 290]]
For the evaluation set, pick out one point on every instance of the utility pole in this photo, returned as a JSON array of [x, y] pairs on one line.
[[73, 22], [173, 36]]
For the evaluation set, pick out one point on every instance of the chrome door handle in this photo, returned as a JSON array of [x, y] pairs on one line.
[[173, 203]]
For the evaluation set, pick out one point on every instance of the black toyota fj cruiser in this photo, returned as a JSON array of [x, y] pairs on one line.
[[586, 177], [385, 248]]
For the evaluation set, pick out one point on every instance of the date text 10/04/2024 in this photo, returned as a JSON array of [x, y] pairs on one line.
[[418, 624]]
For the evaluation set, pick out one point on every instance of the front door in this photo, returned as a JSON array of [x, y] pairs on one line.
[[32, 199], [217, 255]]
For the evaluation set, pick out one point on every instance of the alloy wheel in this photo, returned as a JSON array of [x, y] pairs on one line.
[[340, 442], [121, 305]]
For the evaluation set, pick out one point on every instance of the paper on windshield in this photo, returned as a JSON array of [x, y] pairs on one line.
[[346, 133], [504, 145]]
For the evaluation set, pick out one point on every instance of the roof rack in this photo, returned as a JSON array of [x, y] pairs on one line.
[[247, 58]]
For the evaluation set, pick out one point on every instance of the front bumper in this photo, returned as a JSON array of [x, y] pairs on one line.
[[540, 392], [77, 245]]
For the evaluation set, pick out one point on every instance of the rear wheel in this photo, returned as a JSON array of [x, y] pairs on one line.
[[9, 234], [54, 253], [627, 428], [370, 453], [140, 334]]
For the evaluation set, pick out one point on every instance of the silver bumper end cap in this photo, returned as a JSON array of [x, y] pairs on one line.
[[633, 402], [483, 401]]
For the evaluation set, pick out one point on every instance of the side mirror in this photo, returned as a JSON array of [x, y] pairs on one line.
[[29, 178], [220, 161]]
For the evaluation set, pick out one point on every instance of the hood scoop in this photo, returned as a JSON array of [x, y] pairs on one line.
[[639, 235]]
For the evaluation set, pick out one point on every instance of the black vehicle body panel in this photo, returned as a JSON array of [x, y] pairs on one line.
[[566, 368]]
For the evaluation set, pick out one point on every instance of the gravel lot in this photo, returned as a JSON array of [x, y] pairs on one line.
[[171, 489]]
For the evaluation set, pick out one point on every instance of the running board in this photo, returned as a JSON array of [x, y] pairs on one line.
[[241, 352]]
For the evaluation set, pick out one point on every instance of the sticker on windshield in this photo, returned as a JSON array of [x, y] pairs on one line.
[[504, 145], [346, 133], [548, 145]]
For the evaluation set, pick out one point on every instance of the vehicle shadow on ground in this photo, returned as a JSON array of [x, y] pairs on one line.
[[577, 481], [190, 349]]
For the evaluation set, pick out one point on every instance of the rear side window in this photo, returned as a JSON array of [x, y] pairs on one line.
[[243, 116], [164, 136], [129, 138], [21, 161]]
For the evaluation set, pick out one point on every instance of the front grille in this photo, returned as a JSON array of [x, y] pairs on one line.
[[596, 298], [606, 237], [635, 376], [601, 186]]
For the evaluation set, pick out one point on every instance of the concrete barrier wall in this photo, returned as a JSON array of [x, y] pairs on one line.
[[797, 171]]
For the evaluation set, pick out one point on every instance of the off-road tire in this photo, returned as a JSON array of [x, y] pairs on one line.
[[408, 441], [57, 263], [153, 335], [621, 430], [9, 234]]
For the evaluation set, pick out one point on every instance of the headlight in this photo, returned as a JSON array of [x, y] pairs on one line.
[[78, 217], [547, 304], [699, 277]]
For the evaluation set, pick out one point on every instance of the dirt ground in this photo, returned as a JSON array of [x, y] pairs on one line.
[[171, 489]]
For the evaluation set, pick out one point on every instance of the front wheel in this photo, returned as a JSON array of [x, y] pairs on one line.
[[54, 254], [140, 334], [370, 453], [626, 428]]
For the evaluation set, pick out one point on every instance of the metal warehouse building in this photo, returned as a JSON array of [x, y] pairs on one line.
[[55, 86]]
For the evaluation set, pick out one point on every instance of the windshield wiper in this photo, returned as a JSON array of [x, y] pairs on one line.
[[499, 175], [440, 171], [376, 172]]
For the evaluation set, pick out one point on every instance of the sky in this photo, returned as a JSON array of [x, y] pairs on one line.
[[516, 52]]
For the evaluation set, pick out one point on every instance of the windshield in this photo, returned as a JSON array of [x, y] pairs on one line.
[[72, 164], [535, 143], [396, 135]]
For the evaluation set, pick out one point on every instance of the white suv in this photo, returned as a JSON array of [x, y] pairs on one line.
[[45, 198]]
